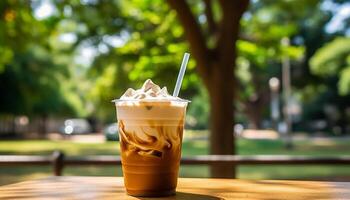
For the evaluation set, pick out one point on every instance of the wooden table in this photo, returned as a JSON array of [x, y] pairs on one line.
[[188, 188]]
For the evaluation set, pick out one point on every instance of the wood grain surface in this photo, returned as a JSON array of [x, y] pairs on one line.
[[66, 187]]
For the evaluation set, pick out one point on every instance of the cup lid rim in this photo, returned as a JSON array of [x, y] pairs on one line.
[[151, 100]]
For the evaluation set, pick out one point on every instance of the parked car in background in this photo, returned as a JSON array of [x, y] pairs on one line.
[[76, 126], [111, 132]]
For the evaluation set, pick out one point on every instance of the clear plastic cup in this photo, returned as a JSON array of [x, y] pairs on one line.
[[150, 142]]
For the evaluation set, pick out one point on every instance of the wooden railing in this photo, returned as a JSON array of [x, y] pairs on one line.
[[58, 160]]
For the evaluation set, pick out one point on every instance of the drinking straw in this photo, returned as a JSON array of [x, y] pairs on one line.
[[181, 74]]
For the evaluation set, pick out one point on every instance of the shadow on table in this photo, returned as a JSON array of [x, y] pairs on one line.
[[184, 195]]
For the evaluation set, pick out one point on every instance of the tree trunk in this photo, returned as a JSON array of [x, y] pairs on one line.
[[255, 119], [254, 113], [43, 126], [222, 118], [216, 68]]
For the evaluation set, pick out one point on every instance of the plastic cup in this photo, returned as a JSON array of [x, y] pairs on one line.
[[150, 142]]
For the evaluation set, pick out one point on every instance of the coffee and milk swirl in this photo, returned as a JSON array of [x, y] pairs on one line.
[[151, 123]]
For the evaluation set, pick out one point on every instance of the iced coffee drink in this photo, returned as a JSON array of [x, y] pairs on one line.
[[151, 124]]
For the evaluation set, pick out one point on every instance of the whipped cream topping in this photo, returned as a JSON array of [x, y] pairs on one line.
[[149, 91]]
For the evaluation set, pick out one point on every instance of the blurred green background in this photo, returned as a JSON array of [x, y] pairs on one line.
[[63, 59]]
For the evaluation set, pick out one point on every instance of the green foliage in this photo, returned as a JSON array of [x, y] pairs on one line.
[[344, 81], [150, 46], [135, 40], [34, 76], [334, 60], [260, 51], [198, 112]]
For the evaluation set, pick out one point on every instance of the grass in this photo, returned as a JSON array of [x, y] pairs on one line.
[[190, 147]]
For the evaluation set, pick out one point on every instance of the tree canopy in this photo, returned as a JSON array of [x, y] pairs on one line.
[[34, 75], [333, 59], [43, 72]]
